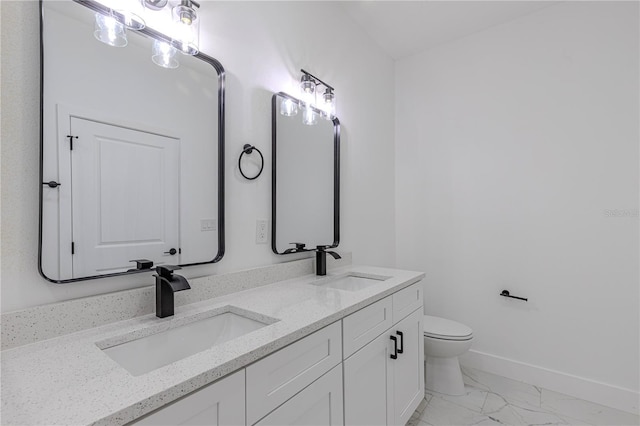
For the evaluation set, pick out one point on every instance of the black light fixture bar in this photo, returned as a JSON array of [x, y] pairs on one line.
[[317, 80]]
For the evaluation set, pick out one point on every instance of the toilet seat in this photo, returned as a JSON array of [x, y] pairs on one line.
[[444, 329]]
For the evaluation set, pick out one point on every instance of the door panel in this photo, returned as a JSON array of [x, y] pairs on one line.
[[119, 216], [408, 369], [366, 377]]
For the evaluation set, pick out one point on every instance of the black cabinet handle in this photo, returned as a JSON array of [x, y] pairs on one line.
[[394, 355], [171, 252], [399, 333]]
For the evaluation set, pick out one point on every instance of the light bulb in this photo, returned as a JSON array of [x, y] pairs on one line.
[[329, 104], [130, 13], [309, 116], [163, 54], [307, 85], [288, 108], [186, 37], [109, 31]]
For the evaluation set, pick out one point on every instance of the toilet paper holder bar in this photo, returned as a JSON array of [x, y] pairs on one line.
[[505, 293]]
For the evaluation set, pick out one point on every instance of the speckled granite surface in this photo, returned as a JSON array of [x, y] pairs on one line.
[[69, 380], [48, 321]]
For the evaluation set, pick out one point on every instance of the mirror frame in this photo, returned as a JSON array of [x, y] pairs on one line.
[[336, 173], [219, 69]]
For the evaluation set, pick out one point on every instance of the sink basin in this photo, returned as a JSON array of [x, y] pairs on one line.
[[163, 347], [351, 282]]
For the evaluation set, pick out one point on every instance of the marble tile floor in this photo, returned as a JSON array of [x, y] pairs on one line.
[[496, 400]]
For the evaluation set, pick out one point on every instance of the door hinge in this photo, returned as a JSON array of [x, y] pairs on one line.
[[73, 247], [71, 138]]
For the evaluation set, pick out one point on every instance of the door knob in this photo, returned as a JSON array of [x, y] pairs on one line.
[[171, 252]]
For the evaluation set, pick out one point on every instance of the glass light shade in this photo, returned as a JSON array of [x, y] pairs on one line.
[[164, 55], [186, 34], [288, 108], [109, 31], [309, 116], [307, 85], [328, 104], [130, 13]]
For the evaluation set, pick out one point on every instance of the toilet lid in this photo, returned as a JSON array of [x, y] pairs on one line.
[[446, 329]]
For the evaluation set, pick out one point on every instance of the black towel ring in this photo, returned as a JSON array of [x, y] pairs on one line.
[[248, 149]]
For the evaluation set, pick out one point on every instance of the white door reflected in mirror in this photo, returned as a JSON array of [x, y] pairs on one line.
[[125, 186]]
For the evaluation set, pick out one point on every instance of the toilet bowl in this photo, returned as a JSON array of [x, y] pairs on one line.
[[444, 341]]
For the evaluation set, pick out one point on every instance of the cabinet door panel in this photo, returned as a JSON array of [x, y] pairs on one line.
[[366, 375], [318, 404], [408, 369], [276, 378], [221, 403]]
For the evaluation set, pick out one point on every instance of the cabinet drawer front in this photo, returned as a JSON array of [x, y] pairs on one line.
[[318, 404], [277, 377], [363, 326], [221, 403], [406, 301]]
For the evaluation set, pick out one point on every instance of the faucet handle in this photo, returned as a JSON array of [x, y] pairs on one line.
[[142, 264], [166, 271], [300, 247]]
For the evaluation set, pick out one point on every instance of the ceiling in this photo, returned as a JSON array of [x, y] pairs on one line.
[[404, 28]]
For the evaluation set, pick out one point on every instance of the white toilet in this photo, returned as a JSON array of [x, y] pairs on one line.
[[444, 341]]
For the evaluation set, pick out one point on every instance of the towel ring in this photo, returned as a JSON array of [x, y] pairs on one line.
[[248, 149]]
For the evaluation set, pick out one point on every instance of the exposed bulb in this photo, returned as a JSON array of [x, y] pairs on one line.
[[109, 31], [329, 104], [288, 108], [163, 54], [130, 13], [309, 116], [186, 37], [307, 85]]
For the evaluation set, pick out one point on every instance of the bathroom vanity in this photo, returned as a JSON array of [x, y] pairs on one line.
[[341, 349]]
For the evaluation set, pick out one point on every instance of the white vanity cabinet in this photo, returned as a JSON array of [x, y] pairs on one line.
[[341, 375], [220, 403], [379, 389]]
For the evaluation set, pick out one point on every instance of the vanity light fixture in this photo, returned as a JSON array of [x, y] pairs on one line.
[[130, 13], [187, 33], [109, 31], [309, 116], [308, 89], [329, 103], [164, 54], [174, 25], [288, 107]]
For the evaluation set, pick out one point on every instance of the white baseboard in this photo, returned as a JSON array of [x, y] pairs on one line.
[[579, 387]]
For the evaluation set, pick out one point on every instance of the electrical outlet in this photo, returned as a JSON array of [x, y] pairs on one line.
[[208, 224], [262, 229]]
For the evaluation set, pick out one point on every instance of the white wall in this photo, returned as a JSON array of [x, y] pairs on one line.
[[512, 145], [262, 46]]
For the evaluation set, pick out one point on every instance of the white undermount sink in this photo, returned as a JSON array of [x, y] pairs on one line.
[[351, 281], [140, 355]]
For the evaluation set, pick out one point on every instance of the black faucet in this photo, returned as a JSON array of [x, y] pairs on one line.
[[321, 259], [299, 248], [166, 284]]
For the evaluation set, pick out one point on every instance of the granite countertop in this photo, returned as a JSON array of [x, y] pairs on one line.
[[69, 380]]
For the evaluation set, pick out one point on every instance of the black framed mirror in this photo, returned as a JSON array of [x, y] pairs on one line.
[[305, 177], [131, 154]]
